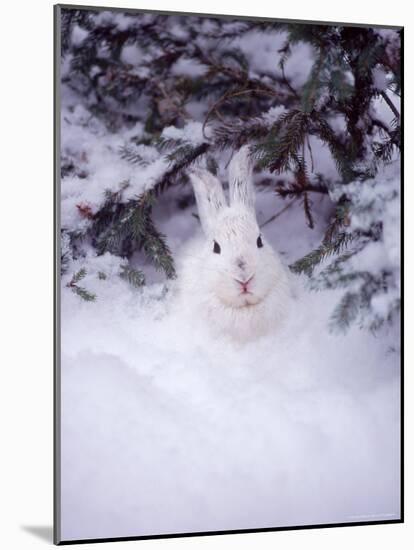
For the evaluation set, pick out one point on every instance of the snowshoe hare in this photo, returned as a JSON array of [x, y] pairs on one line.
[[231, 276]]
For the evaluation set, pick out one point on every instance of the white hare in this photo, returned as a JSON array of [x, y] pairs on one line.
[[231, 276]]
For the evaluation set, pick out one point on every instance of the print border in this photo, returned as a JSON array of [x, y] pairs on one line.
[[56, 290]]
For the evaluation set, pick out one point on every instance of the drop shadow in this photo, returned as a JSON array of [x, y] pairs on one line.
[[44, 532]]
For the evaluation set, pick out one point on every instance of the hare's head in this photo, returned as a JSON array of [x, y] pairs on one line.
[[238, 266]]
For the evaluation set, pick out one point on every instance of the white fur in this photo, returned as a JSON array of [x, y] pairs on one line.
[[207, 281]]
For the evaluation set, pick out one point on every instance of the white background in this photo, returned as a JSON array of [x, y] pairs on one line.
[[26, 233]]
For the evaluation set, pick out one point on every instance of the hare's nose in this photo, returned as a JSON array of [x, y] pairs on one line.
[[245, 283]]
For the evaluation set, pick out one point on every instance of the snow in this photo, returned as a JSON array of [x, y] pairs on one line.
[[188, 67], [391, 38], [78, 35], [98, 153], [274, 113], [261, 50], [321, 158], [299, 64], [169, 431], [381, 110], [263, 54], [120, 20], [131, 54], [191, 133], [380, 79]]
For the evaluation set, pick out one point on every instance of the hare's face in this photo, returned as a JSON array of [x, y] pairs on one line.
[[238, 267], [241, 266]]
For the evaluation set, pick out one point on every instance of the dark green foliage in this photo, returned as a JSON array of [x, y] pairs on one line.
[[124, 227], [240, 132], [79, 290], [84, 294], [181, 158], [308, 263], [356, 305], [133, 276], [346, 311]]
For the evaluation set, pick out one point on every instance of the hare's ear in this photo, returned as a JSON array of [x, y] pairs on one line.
[[241, 179], [210, 197]]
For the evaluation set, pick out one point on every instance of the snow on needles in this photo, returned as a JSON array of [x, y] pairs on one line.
[[100, 167]]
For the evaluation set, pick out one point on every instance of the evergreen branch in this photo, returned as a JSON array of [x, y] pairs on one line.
[[307, 205], [275, 216], [80, 291], [84, 294], [132, 156], [308, 263], [279, 149], [168, 177], [78, 277], [239, 132], [390, 104], [333, 276], [231, 95], [286, 51], [312, 85], [132, 276], [292, 189], [345, 312], [156, 248], [339, 153]]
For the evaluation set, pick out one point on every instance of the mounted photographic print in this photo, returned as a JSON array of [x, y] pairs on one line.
[[228, 274]]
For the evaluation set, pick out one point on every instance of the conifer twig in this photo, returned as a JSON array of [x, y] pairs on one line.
[[275, 216], [230, 95], [390, 104]]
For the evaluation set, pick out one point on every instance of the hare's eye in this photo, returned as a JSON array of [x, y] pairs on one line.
[[216, 248], [259, 241]]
